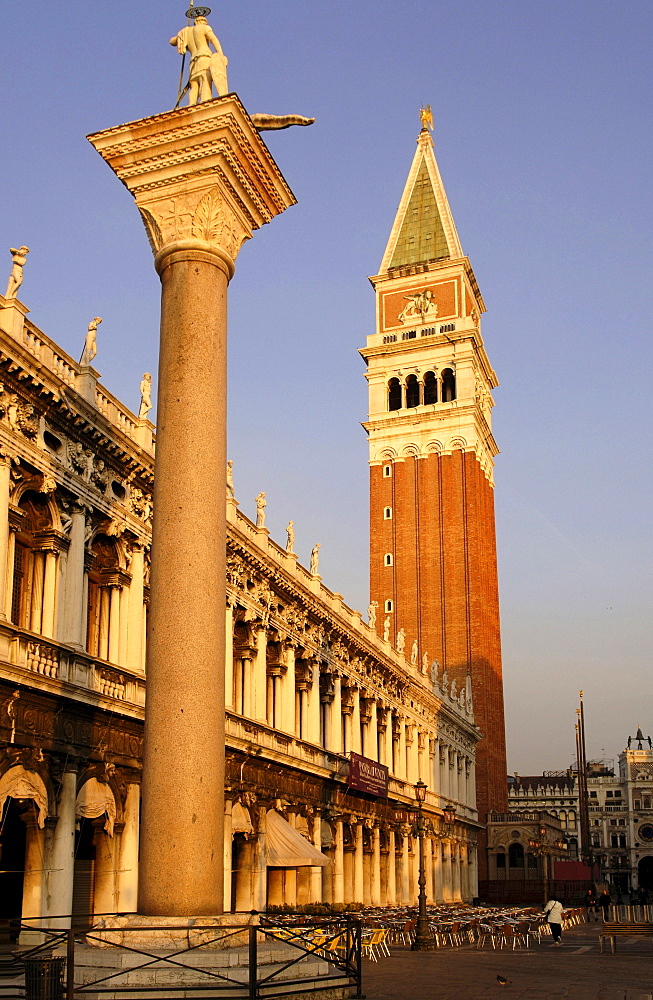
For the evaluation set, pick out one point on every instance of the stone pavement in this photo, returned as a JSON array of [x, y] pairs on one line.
[[576, 970]]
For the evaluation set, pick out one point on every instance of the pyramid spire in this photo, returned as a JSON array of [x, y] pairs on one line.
[[423, 229]]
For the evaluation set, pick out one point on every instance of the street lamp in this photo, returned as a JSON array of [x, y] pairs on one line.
[[541, 850], [424, 940]]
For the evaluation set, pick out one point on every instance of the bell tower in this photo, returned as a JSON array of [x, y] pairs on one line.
[[433, 566]]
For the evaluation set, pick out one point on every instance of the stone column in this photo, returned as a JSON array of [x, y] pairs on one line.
[[104, 900], [405, 870], [391, 894], [338, 864], [373, 730], [203, 181], [128, 865], [229, 658], [312, 730], [114, 624], [428, 865], [49, 594], [246, 662], [315, 892], [288, 692], [388, 741], [356, 723], [401, 770], [336, 716], [60, 857], [260, 872], [375, 889], [259, 676], [358, 886], [5, 487], [437, 871], [74, 623], [33, 879], [134, 615], [228, 846], [38, 573]]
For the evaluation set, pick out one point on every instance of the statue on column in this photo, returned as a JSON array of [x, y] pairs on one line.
[[19, 257], [207, 69], [90, 344], [146, 396], [315, 558], [290, 536], [261, 504]]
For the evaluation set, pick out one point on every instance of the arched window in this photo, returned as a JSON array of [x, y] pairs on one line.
[[387, 559], [388, 607], [394, 394], [516, 856], [412, 391], [102, 623], [622, 840], [387, 471], [387, 513], [448, 385], [501, 860], [430, 388], [32, 602]]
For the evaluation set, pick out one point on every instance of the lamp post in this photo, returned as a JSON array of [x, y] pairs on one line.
[[424, 940]]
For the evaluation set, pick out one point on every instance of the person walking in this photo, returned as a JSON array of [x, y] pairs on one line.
[[553, 914], [605, 903], [590, 906]]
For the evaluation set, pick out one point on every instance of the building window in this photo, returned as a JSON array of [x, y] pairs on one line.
[[516, 856], [592, 795], [387, 513], [31, 565], [430, 388], [394, 394], [622, 840], [412, 391], [388, 607], [388, 558], [501, 860], [387, 471], [448, 385], [614, 840], [609, 795]]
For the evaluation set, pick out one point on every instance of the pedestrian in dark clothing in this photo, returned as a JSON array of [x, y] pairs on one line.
[[605, 903], [590, 906]]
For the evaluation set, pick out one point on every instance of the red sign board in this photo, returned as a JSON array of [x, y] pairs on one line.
[[366, 775]]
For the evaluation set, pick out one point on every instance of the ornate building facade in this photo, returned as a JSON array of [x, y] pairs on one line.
[[309, 684], [433, 549]]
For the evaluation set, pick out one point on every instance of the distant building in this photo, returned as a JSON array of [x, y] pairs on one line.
[[620, 812]]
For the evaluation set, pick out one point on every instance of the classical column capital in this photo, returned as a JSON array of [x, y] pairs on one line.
[[202, 177]]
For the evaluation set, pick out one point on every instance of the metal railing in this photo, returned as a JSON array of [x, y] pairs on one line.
[[266, 959]]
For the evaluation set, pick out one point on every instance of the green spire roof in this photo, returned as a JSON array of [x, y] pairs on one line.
[[421, 237]]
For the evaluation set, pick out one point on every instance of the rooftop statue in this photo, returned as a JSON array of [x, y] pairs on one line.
[[19, 257], [90, 343]]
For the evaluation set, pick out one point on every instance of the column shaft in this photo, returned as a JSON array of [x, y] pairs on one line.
[[391, 895], [60, 859], [181, 863], [128, 866], [5, 486], [358, 864], [338, 865]]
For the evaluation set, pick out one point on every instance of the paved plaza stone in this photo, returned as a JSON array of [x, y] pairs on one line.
[[576, 970]]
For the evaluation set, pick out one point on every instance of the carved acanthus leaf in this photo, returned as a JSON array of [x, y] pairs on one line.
[[152, 229], [209, 220]]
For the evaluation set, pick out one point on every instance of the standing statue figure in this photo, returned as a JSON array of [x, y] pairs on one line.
[[16, 277], [386, 629], [90, 344], [315, 558], [425, 663], [290, 536], [401, 640], [414, 653], [230, 480], [146, 396], [206, 68], [261, 504], [371, 613], [435, 667]]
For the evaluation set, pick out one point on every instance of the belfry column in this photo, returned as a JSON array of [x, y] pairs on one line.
[[203, 181]]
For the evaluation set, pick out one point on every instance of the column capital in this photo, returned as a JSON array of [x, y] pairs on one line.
[[202, 177]]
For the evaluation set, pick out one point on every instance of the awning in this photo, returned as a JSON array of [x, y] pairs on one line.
[[96, 799], [286, 848], [240, 819], [18, 783]]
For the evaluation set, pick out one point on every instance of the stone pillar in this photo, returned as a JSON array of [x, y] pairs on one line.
[[405, 870], [428, 865], [74, 622], [373, 730], [473, 871], [315, 891], [447, 875], [358, 886], [128, 866], [60, 857], [36, 614], [391, 892], [375, 889], [203, 181], [9, 575], [229, 660], [288, 692], [135, 636], [228, 846], [104, 899], [5, 487], [401, 770], [437, 872], [336, 716], [259, 676], [246, 662], [338, 864], [388, 741], [356, 723], [312, 730], [49, 594], [33, 879], [260, 869], [114, 624]]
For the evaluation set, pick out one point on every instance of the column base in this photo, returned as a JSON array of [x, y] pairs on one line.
[[137, 930]]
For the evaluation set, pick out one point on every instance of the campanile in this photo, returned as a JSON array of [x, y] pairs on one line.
[[433, 569]]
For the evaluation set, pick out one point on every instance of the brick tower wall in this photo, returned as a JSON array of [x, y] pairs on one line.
[[444, 588]]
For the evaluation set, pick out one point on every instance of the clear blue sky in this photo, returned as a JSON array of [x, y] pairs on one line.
[[543, 135]]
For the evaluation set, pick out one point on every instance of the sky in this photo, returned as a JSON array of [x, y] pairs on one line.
[[544, 140]]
